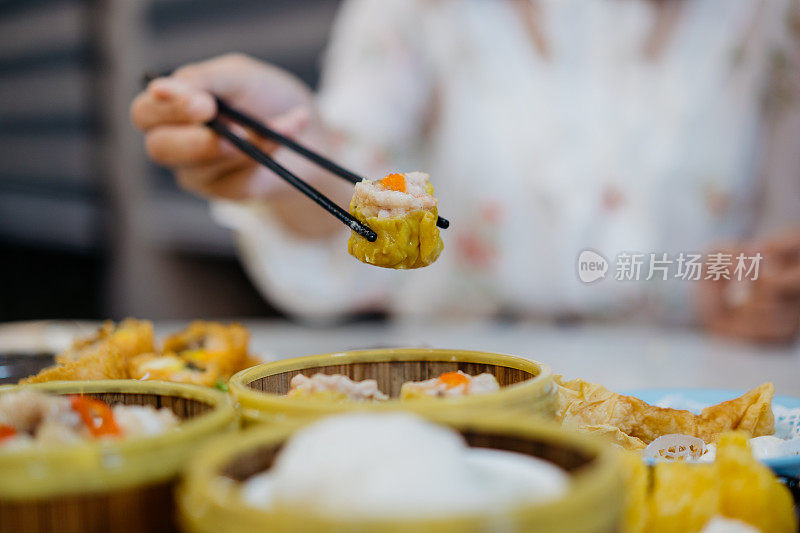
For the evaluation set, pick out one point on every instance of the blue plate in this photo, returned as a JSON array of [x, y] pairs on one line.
[[784, 466]]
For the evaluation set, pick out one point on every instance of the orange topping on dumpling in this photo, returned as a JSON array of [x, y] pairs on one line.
[[453, 379], [395, 182]]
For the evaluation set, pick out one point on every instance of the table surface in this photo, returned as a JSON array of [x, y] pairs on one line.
[[618, 356]]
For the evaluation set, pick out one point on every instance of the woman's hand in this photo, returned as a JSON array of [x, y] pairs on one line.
[[766, 309], [172, 110]]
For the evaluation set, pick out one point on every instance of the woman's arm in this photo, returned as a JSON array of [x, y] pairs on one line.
[[371, 106]]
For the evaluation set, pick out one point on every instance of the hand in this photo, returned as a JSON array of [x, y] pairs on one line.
[[172, 110], [766, 309]]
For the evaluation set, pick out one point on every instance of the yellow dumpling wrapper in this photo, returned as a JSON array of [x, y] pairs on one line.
[[684, 497], [408, 241], [749, 491]]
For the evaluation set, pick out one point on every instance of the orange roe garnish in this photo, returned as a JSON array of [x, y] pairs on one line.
[[453, 379], [6, 432], [395, 182]]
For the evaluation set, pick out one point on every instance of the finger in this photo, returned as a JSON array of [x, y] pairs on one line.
[[709, 299], [783, 242], [179, 146], [234, 177], [293, 122], [784, 281], [221, 75], [226, 179], [768, 322], [779, 253], [169, 101], [289, 124]]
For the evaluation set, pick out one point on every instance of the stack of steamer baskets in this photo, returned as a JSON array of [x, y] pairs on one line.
[[119, 486], [517, 418], [134, 485]]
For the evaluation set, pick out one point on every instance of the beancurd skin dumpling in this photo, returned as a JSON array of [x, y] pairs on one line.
[[404, 220]]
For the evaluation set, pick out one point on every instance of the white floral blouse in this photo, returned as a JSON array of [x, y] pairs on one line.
[[542, 148]]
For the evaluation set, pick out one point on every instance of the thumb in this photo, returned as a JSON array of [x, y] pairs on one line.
[[225, 76], [293, 122]]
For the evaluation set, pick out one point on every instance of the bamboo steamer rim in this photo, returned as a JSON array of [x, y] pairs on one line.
[[88, 457], [208, 503], [253, 401]]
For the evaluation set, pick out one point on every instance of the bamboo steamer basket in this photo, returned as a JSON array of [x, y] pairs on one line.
[[209, 502], [121, 486], [526, 386]]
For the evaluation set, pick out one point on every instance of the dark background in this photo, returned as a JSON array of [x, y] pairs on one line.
[[88, 228]]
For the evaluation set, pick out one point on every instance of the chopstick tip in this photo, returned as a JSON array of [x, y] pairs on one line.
[[363, 230]]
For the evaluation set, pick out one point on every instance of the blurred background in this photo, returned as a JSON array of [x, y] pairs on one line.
[[82, 235], [89, 228]]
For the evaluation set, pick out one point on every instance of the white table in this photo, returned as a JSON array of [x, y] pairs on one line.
[[620, 357]]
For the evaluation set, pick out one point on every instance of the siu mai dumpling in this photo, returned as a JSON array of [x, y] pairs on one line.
[[336, 387], [401, 209], [449, 385]]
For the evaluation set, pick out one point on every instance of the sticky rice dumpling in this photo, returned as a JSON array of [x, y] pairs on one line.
[[401, 209]]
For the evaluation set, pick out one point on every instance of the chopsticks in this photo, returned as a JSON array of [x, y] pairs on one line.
[[268, 133], [329, 205], [260, 157], [225, 110]]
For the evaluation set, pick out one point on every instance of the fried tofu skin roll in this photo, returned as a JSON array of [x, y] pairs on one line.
[[401, 209], [106, 362], [591, 407], [174, 368], [104, 355], [205, 353], [131, 337], [211, 343]]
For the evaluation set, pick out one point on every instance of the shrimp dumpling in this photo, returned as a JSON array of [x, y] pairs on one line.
[[402, 210]]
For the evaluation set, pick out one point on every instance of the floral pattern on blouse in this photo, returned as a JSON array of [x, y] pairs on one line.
[[536, 158]]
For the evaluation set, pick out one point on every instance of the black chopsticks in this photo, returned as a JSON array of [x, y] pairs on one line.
[[223, 109], [268, 133], [254, 152]]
